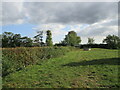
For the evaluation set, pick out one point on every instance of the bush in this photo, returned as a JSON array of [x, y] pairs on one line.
[[94, 46], [17, 58]]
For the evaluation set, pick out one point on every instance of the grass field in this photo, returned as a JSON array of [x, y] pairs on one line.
[[97, 68]]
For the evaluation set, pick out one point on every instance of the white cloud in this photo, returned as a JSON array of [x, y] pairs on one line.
[[56, 29], [99, 30]]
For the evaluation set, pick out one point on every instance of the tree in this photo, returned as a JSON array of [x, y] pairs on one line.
[[10, 39], [26, 42], [49, 38], [112, 41], [91, 40], [7, 38], [16, 40], [39, 38], [72, 39]]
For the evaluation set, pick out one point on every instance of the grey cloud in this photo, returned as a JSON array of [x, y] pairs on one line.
[[11, 13], [70, 13], [59, 12]]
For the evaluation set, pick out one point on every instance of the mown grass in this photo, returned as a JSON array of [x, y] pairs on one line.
[[97, 68]]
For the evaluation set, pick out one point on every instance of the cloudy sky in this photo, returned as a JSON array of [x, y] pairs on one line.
[[88, 19]]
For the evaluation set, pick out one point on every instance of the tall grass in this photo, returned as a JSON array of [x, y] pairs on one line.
[[17, 58]]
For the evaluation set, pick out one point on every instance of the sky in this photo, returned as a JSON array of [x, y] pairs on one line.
[[88, 19]]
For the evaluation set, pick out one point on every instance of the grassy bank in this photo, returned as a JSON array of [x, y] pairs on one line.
[[76, 69]]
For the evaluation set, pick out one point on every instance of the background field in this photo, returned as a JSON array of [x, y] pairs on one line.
[[75, 69]]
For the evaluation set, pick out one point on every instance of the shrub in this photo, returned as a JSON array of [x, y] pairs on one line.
[[17, 58]]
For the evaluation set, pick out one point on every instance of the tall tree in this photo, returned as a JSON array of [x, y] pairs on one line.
[[72, 39], [91, 40], [39, 38], [7, 38], [49, 38], [112, 41]]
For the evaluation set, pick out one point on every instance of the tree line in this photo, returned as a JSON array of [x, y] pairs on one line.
[[10, 39]]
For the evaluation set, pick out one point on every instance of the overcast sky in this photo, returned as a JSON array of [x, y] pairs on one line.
[[88, 19]]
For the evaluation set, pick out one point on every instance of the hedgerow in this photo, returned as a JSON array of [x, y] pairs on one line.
[[14, 59]]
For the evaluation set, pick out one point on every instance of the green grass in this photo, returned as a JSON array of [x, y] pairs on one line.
[[76, 69]]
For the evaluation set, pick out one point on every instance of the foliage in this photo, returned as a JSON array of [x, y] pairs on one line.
[[71, 39], [97, 68], [39, 38], [91, 40], [94, 46], [26, 42], [10, 39], [16, 58], [7, 38], [112, 41], [49, 38]]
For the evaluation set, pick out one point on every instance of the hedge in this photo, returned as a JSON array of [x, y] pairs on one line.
[[14, 59]]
